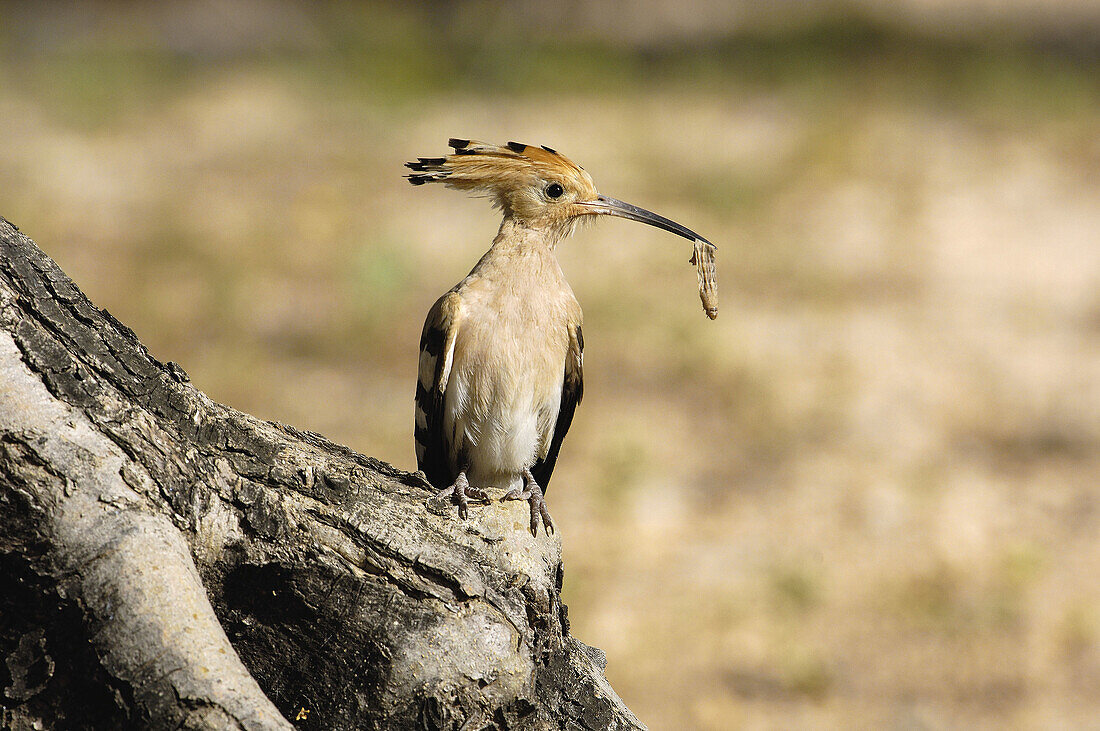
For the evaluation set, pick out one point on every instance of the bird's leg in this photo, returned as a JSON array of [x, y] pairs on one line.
[[462, 493], [532, 493]]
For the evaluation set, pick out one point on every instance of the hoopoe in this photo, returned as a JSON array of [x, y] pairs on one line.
[[501, 353]]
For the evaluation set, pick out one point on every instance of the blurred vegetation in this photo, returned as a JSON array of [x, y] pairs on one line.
[[865, 496], [400, 53]]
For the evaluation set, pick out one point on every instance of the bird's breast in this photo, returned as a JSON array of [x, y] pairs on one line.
[[506, 380]]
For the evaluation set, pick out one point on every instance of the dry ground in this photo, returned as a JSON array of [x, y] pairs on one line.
[[865, 496]]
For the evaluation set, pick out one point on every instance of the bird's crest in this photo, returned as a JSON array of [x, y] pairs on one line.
[[499, 171]]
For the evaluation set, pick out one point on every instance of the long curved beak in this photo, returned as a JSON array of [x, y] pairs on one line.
[[702, 255], [608, 206]]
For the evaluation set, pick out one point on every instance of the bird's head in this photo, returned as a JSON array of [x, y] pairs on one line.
[[536, 185]]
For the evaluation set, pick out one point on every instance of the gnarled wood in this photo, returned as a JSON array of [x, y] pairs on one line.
[[167, 561]]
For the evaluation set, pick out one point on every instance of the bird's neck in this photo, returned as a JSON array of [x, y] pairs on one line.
[[519, 250], [516, 233]]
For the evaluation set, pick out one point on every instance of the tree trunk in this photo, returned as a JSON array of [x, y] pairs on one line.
[[166, 561]]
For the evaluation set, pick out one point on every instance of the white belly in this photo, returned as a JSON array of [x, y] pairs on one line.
[[503, 398]]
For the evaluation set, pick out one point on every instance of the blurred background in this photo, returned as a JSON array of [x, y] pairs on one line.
[[868, 495]]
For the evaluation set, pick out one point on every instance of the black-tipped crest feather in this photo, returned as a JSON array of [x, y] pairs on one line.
[[496, 169]]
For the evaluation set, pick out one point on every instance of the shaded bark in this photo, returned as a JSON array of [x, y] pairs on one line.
[[167, 561]]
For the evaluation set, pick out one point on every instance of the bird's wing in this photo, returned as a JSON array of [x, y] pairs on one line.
[[571, 391], [437, 347]]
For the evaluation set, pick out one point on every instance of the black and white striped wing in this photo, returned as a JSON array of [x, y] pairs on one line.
[[571, 392], [437, 345]]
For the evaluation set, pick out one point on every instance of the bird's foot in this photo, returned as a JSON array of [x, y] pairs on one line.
[[532, 493], [461, 494]]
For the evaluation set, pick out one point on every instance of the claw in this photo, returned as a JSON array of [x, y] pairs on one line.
[[532, 493], [462, 494]]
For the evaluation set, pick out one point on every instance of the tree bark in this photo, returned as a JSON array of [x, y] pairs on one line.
[[166, 561]]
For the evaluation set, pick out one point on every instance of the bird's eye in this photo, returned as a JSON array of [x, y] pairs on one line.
[[554, 190]]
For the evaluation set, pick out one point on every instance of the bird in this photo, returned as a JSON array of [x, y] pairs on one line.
[[502, 352]]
